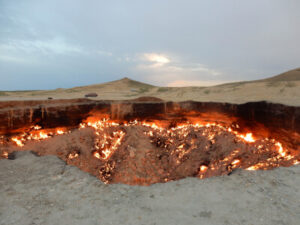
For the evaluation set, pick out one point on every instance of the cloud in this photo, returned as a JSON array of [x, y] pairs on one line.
[[170, 70], [157, 59], [185, 83], [202, 68], [12, 59], [51, 46], [103, 53]]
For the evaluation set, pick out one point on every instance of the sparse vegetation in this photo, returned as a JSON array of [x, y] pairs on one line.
[[163, 89], [232, 85], [2, 93], [143, 90], [206, 91], [71, 90], [34, 94]]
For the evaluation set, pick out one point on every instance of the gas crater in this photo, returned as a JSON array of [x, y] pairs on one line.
[[141, 143]]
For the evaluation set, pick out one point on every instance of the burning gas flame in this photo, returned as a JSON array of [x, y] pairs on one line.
[[178, 141], [73, 155], [248, 137], [36, 134], [18, 141]]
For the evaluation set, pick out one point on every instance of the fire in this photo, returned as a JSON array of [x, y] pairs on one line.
[[248, 137], [236, 162], [107, 144], [73, 155], [202, 171], [59, 131], [37, 127], [97, 155], [203, 168], [5, 154], [36, 134], [179, 142], [18, 141], [280, 149]]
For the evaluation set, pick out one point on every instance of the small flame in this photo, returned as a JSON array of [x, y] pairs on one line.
[[97, 155], [236, 162], [248, 137], [5, 155], [17, 141], [73, 155], [59, 131], [280, 149], [203, 168]]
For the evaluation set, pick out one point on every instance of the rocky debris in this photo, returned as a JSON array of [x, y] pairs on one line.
[[44, 190]]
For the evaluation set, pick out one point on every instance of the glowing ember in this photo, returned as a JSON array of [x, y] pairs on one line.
[[37, 127], [60, 131], [73, 155], [236, 162], [5, 155], [18, 141], [97, 155], [203, 169]]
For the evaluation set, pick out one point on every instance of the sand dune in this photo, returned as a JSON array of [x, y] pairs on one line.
[[283, 88]]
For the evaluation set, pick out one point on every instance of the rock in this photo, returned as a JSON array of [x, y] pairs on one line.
[[91, 95]]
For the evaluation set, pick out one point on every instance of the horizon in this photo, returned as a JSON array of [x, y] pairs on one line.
[[50, 44], [123, 78]]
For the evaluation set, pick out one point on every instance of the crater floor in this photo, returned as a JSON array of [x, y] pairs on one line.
[[44, 190]]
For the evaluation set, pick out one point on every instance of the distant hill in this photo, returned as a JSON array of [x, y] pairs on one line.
[[283, 88], [124, 84], [292, 75]]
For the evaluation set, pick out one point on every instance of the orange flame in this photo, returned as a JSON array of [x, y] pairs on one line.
[[110, 136]]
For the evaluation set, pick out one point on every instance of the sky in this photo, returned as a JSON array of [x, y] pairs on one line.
[[65, 43]]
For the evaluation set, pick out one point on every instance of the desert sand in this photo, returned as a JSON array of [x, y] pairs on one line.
[[284, 89], [44, 190]]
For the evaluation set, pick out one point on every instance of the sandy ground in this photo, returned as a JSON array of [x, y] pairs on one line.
[[284, 92], [44, 190]]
